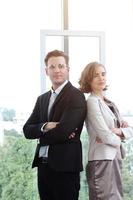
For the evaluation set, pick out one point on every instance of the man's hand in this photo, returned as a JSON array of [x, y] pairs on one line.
[[72, 135], [51, 125]]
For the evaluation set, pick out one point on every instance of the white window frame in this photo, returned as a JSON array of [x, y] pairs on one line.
[[44, 33]]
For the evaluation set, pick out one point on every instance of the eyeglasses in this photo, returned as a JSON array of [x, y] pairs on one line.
[[59, 66]]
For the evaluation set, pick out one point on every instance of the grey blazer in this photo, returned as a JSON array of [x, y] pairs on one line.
[[99, 121]]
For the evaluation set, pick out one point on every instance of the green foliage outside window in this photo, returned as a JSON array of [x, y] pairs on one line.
[[18, 179]]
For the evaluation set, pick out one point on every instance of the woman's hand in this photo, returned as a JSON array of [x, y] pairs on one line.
[[117, 131], [98, 140], [124, 124]]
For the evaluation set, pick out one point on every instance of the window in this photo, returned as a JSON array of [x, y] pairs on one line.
[[83, 47], [20, 74]]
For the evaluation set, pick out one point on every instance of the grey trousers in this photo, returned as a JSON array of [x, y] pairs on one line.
[[104, 179]]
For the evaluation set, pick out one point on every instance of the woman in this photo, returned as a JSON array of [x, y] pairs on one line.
[[106, 132]]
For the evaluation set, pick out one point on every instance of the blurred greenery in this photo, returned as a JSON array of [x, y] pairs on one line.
[[18, 180], [7, 114]]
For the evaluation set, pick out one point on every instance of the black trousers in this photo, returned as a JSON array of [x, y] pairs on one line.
[[53, 185]]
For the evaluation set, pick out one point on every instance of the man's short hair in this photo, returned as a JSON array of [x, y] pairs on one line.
[[56, 53]]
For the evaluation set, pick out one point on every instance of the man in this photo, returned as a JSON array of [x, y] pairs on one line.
[[56, 121]]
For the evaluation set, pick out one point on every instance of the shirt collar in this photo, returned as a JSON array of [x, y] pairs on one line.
[[58, 90]]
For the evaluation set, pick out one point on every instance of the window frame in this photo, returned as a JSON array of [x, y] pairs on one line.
[[67, 33]]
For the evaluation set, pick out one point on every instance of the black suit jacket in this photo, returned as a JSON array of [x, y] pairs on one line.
[[69, 110]]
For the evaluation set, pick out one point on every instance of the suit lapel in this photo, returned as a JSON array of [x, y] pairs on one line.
[[46, 103], [59, 97]]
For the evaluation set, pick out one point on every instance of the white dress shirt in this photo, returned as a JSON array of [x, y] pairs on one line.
[[44, 149]]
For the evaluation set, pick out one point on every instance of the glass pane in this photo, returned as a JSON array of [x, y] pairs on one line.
[[51, 12], [82, 50], [52, 42]]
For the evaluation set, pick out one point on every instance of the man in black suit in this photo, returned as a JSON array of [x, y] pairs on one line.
[[56, 121]]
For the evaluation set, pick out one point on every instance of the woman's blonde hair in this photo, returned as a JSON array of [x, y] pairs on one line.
[[87, 76]]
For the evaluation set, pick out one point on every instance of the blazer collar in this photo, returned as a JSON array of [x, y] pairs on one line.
[[65, 89], [104, 105], [94, 95], [58, 90]]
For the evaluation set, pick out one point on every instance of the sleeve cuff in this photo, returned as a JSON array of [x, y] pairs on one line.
[[43, 127]]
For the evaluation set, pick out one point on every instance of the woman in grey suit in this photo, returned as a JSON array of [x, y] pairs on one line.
[[106, 131]]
